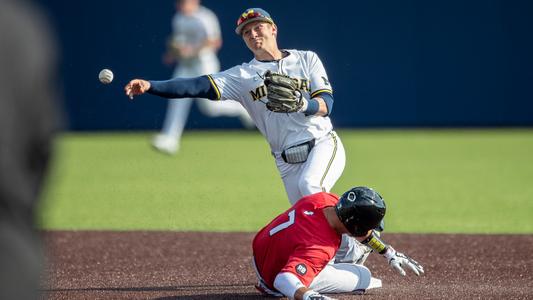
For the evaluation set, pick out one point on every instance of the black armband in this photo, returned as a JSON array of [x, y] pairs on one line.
[[376, 243], [198, 87]]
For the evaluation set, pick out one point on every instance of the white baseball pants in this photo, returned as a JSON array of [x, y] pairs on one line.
[[319, 173], [344, 278]]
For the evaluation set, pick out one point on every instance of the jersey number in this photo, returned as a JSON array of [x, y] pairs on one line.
[[283, 225]]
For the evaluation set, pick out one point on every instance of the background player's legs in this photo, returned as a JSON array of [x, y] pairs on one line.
[[324, 166], [344, 278], [169, 139], [228, 108]]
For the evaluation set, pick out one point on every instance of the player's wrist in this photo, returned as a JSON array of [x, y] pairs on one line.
[[375, 242], [389, 253], [305, 103], [310, 107]]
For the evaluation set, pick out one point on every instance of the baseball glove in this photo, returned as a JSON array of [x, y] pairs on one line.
[[282, 93]]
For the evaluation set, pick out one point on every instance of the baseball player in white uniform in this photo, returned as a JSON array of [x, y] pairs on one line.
[[193, 45], [309, 155]]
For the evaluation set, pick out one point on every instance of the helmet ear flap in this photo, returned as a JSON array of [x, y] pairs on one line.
[[360, 210]]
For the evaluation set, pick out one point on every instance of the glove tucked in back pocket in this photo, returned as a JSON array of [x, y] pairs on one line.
[[299, 153]]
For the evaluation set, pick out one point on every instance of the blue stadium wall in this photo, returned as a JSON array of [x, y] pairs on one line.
[[443, 63]]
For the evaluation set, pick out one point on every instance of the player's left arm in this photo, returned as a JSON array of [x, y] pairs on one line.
[[290, 285], [302, 267], [319, 105], [321, 95], [396, 259]]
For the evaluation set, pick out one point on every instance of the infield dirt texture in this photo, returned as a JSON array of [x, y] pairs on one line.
[[202, 265]]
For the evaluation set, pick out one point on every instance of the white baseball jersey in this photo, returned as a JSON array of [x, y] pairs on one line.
[[244, 84], [194, 30]]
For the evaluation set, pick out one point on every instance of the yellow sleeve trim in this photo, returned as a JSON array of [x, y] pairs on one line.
[[214, 86], [315, 93]]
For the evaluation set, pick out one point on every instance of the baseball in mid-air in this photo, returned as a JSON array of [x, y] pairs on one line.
[[105, 76]]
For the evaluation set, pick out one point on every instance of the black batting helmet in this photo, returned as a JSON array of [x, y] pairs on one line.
[[360, 209]]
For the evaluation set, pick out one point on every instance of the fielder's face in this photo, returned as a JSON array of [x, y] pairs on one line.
[[260, 36]]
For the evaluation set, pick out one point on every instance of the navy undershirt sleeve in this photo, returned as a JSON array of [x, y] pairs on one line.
[[198, 87], [313, 104], [328, 98]]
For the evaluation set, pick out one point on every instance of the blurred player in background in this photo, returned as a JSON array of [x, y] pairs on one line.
[[308, 153], [293, 253], [28, 121], [192, 46]]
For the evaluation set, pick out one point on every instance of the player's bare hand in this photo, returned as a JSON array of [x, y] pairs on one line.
[[398, 260], [136, 87]]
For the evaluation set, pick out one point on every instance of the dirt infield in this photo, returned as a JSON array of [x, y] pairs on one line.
[[192, 265]]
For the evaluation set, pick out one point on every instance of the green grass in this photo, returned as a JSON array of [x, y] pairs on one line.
[[460, 181]]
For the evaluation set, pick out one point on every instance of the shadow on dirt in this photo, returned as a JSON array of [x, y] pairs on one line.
[[214, 296], [211, 291]]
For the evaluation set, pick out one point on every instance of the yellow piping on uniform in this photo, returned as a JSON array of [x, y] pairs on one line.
[[214, 86], [330, 161], [313, 95]]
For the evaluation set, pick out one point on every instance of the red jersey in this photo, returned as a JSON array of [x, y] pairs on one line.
[[299, 241]]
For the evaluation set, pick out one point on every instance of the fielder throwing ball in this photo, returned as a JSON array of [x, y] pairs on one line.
[[289, 97], [293, 253]]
